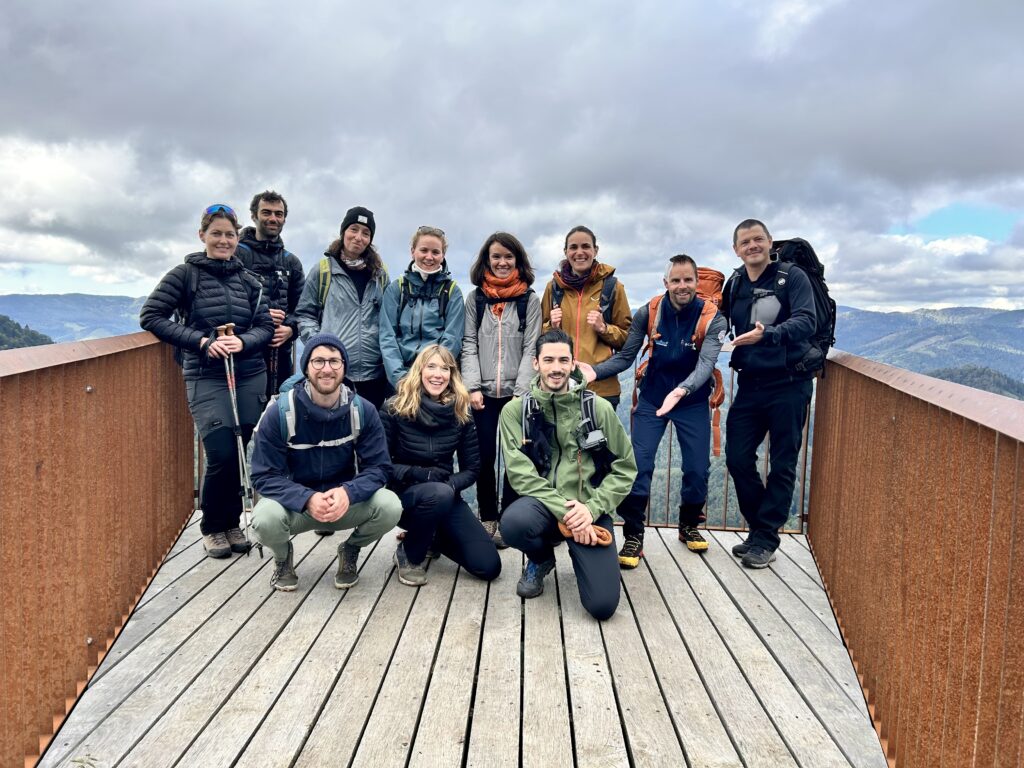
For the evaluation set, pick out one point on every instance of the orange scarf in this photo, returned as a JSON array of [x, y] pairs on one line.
[[502, 288]]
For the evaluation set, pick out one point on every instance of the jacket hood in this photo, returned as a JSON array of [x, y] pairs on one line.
[[577, 383], [248, 237], [318, 413]]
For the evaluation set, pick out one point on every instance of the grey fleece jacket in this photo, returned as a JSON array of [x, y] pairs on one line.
[[498, 360]]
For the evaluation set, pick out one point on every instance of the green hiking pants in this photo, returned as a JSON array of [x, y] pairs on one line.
[[273, 525]]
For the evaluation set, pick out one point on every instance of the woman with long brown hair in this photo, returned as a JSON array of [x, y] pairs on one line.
[[427, 423]]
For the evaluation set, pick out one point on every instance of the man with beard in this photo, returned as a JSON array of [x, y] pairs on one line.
[[321, 461], [675, 388], [262, 252], [569, 459]]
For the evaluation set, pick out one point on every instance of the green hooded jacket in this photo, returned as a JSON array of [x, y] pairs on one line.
[[571, 469]]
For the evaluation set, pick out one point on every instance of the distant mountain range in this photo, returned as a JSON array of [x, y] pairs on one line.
[[924, 340]]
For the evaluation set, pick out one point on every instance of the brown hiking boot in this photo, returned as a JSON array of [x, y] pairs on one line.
[[237, 540], [216, 545]]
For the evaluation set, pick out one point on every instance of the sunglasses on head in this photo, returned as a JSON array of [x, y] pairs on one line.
[[220, 208], [425, 230]]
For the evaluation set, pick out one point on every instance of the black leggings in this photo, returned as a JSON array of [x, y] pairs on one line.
[[486, 485], [435, 508]]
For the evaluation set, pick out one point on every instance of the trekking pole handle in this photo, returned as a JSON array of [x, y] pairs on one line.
[[226, 330]]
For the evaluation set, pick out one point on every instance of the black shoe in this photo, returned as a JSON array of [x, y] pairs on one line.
[[531, 583], [758, 557], [739, 550], [323, 532], [631, 552], [691, 537]]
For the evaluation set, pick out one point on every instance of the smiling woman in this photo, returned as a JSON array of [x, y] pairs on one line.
[[209, 290], [422, 307]]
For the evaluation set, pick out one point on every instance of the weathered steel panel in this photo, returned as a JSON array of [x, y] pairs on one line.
[[96, 454]]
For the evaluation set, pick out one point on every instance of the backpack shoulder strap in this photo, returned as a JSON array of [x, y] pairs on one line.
[[587, 409], [707, 314], [557, 294], [323, 281], [444, 297], [522, 305], [608, 297], [191, 286]]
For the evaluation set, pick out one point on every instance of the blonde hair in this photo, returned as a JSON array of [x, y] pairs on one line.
[[410, 389], [430, 232]]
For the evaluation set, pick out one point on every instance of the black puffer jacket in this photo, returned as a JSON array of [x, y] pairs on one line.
[[225, 294], [430, 441], [279, 270]]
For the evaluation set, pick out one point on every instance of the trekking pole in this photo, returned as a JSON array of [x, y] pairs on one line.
[[243, 469], [272, 365]]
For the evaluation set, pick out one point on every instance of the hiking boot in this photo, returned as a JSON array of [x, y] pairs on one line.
[[348, 570], [323, 531], [491, 526], [237, 540], [284, 578], [411, 574], [216, 545], [531, 583], [739, 550], [690, 536], [758, 557], [632, 550]]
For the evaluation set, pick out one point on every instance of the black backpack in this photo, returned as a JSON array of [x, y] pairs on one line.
[[607, 296], [539, 437], [485, 301], [800, 253]]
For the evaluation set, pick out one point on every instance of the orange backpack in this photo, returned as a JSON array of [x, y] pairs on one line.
[[709, 288]]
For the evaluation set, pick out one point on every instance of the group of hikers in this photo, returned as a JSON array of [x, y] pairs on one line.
[[406, 391]]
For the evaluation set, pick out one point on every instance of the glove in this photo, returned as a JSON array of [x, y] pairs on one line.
[[438, 475]]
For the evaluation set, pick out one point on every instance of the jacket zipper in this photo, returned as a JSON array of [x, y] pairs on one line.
[[498, 377]]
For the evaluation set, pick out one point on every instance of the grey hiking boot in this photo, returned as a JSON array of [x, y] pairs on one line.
[[284, 578], [412, 574], [531, 583], [739, 550], [216, 545], [491, 526], [758, 557], [237, 540], [348, 566]]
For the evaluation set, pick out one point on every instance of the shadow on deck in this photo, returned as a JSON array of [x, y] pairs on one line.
[[704, 664]]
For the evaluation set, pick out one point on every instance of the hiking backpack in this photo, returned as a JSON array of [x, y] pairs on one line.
[[285, 400], [538, 433], [607, 297], [485, 301], [324, 282], [406, 294], [799, 252], [709, 288], [272, 282]]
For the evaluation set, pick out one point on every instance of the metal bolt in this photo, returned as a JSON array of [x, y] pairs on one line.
[[88, 641], [88, 389]]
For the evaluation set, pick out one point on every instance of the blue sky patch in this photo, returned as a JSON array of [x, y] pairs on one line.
[[992, 222]]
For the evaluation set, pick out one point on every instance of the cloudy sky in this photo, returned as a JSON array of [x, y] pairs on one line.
[[889, 135]]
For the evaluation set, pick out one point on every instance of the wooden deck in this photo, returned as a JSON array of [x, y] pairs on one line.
[[704, 664]]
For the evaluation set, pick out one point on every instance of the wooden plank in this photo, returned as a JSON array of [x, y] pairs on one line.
[[795, 548], [599, 738], [151, 617], [547, 739], [494, 730], [807, 739], [171, 571], [164, 665], [701, 732], [745, 720], [650, 735], [441, 735], [372, 614], [226, 735], [786, 626], [800, 584], [350, 699], [178, 725]]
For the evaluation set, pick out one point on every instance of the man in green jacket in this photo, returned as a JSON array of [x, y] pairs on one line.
[[565, 471]]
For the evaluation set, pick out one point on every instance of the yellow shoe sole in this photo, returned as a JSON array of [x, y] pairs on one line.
[[697, 546], [629, 562]]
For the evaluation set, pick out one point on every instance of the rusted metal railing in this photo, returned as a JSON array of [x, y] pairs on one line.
[[96, 460], [917, 525]]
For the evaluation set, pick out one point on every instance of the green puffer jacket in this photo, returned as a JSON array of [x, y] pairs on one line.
[[571, 469]]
